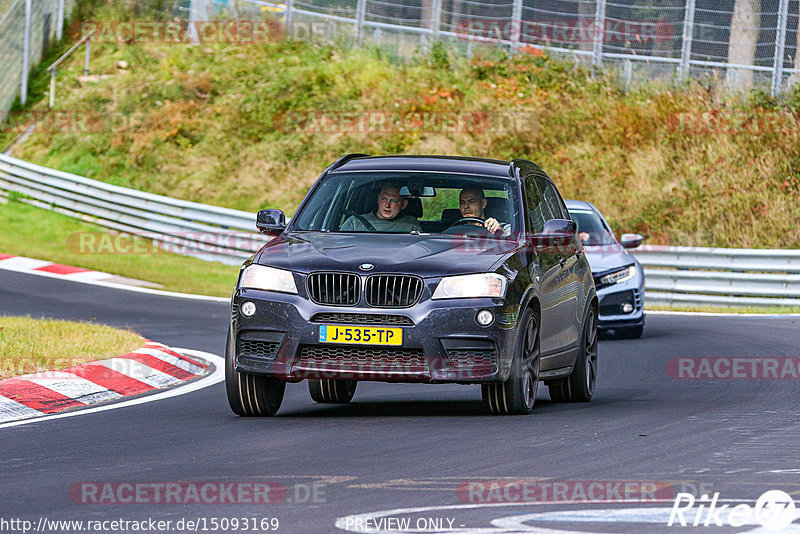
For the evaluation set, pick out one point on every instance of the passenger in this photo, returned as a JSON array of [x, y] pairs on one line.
[[387, 218], [472, 202]]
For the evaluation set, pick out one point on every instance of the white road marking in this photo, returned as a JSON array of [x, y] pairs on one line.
[[217, 376], [23, 264]]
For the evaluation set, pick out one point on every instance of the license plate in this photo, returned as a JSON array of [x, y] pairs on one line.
[[360, 335]]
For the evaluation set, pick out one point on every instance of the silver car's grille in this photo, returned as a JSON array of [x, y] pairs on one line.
[[333, 289], [393, 290]]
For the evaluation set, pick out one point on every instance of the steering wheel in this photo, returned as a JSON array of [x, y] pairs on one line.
[[466, 223], [361, 218]]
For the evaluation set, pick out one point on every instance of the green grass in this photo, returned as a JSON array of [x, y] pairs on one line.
[[42, 234], [33, 345]]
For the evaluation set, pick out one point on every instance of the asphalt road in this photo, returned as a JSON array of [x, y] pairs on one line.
[[411, 446]]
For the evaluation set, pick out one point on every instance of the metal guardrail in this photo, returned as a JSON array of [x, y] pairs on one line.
[[674, 275], [207, 232]]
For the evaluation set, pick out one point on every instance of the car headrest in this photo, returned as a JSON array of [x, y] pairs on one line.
[[450, 215], [496, 207], [414, 207]]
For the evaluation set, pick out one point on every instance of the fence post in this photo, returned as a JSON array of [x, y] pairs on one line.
[[436, 19], [361, 10], [516, 25], [688, 34], [599, 26], [26, 49], [289, 16], [780, 47], [86, 61]]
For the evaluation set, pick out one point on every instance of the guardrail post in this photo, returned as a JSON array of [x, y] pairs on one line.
[[599, 26], [289, 16], [688, 34], [26, 49], [53, 88], [516, 25], [59, 20], [780, 47], [86, 61], [361, 10]]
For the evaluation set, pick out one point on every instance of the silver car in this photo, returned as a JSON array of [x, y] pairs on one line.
[[618, 276]]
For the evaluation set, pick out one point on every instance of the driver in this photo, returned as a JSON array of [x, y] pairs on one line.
[[472, 202], [387, 218]]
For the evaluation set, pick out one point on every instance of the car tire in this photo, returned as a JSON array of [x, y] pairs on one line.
[[329, 391], [517, 395], [579, 385], [631, 332], [251, 395]]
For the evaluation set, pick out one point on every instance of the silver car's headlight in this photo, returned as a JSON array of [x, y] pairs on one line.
[[471, 285], [622, 275], [268, 278]]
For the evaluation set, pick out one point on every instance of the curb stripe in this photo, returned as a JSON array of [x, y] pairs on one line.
[[57, 268], [153, 366], [110, 379], [35, 396], [5, 257], [74, 387], [140, 371], [191, 368], [162, 348], [159, 365], [15, 410]]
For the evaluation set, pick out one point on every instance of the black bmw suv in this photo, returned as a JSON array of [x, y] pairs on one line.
[[417, 269]]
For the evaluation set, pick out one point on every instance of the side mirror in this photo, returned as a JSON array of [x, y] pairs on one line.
[[556, 235], [631, 240], [270, 221]]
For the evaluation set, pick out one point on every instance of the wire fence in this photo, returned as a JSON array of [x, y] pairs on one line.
[[27, 29], [741, 43]]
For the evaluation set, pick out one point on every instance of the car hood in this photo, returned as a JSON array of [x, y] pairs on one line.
[[606, 257], [424, 255]]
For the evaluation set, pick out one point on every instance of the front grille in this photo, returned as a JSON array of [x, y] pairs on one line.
[[265, 350], [393, 290], [472, 358], [362, 318], [333, 289], [364, 359]]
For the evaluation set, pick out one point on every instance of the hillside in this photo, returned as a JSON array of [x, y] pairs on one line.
[[244, 126]]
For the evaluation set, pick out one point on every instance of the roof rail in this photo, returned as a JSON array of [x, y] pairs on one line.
[[344, 159]]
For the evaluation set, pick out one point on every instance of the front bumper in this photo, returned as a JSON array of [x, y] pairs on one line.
[[611, 300], [441, 340]]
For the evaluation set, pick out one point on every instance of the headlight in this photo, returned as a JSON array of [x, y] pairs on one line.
[[269, 278], [622, 275], [471, 285]]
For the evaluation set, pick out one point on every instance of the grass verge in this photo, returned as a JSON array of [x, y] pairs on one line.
[[42, 234], [32, 345]]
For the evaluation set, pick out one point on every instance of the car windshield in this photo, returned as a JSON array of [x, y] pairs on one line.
[[591, 228], [406, 202]]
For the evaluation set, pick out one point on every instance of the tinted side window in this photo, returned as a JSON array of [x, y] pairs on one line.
[[537, 210], [554, 202]]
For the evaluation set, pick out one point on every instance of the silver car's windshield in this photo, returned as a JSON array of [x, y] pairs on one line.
[[409, 202], [591, 228]]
